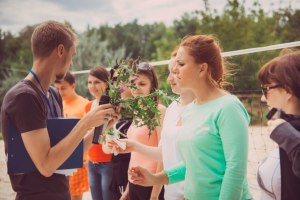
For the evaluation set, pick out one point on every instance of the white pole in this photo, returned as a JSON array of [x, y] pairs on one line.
[[226, 54]]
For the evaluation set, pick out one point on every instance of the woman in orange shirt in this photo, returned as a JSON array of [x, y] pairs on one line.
[[74, 106], [100, 166]]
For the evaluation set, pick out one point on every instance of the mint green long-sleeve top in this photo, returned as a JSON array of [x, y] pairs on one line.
[[214, 149]]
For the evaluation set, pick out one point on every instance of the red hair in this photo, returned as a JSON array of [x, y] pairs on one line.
[[206, 49]]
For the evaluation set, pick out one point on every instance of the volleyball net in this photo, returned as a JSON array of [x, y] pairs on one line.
[[226, 54], [260, 145]]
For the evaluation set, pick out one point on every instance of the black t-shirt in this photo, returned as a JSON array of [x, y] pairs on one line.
[[26, 107], [120, 163]]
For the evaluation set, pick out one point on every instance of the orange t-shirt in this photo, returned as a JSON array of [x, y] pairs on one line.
[[75, 107], [96, 153], [140, 134], [79, 180]]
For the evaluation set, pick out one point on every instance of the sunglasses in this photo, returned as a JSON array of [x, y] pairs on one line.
[[144, 66], [266, 89]]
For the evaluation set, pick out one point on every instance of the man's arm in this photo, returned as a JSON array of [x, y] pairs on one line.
[[87, 141], [46, 158]]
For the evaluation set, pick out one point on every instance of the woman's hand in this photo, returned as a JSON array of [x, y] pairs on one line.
[[130, 145], [113, 118], [100, 115], [125, 195], [141, 176]]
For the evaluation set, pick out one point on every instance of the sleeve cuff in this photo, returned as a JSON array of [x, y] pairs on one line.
[[286, 136], [176, 174]]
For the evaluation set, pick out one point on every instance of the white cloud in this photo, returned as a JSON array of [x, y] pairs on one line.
[[15, 14]]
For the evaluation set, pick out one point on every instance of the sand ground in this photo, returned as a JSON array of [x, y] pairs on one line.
[[259, 146]]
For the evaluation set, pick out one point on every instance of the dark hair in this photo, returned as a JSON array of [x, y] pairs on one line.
[[149, 72], [100, 73], [283, 70], [69, 77], [206, 49], [48, 35]]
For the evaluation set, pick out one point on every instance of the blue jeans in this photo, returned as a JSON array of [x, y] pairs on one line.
[[100, 176]]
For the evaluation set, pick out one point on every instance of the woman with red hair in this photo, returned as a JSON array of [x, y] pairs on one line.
[[214, 143]]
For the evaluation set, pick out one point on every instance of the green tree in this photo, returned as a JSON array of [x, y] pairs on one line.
[[92, 52], [236, 26]]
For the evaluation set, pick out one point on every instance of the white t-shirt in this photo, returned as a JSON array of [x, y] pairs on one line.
[[170, 156], [269, 177], [95, 104]]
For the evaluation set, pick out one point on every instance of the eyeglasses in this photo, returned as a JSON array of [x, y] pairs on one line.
[[144, 66], [265, 89]]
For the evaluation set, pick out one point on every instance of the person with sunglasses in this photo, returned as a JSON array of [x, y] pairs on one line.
[[166, 151], [279, 174], [213, 145], [146, 82]]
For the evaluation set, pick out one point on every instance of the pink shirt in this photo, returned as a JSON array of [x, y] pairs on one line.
[[140, 134]]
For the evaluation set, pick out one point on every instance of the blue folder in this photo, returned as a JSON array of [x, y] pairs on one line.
[[19, 161]]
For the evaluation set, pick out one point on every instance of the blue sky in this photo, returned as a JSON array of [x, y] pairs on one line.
[[16, 14]]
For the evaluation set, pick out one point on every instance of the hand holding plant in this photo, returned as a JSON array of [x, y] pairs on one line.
[[143, 110]]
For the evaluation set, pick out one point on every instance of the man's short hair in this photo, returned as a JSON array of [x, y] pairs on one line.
[[69, 77], [48, 35]]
